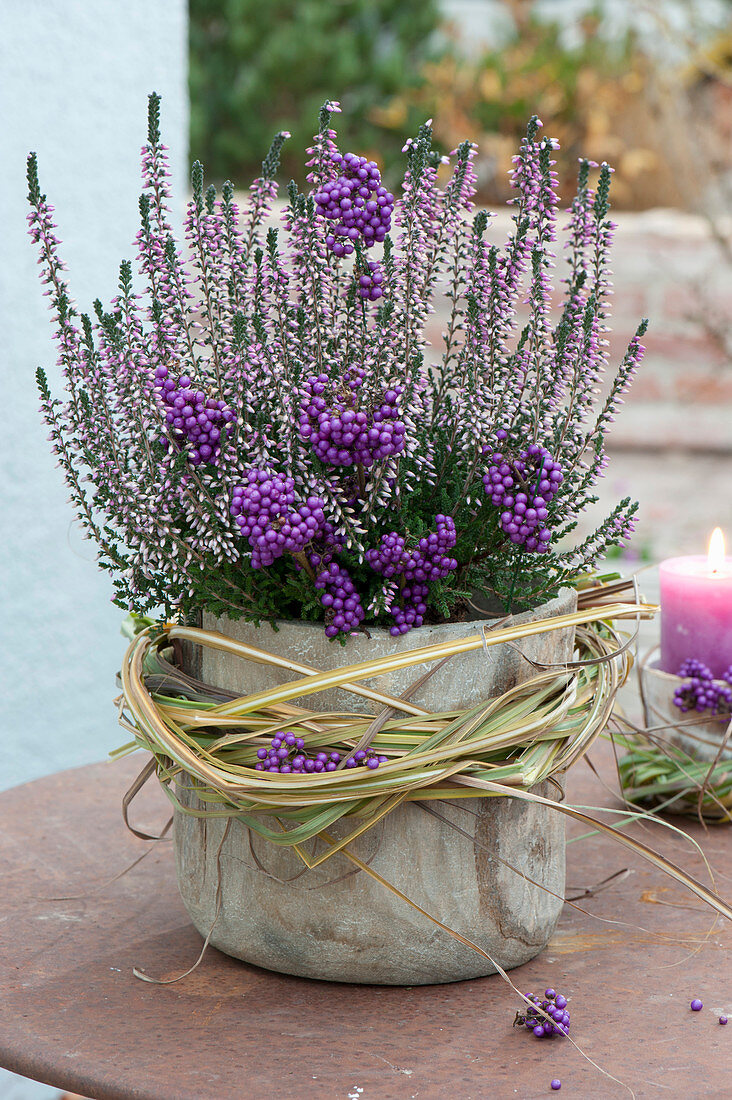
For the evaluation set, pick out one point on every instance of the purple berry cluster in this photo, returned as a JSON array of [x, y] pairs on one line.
[[554, 1005], [286, 755], [700, 691], [428, 562], [193, 418], [370, 282], [343, 610], [693, 668], [264, 509], [523, 488], [341, 433], [357, 202]]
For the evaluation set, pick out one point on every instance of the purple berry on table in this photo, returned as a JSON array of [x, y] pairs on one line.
[[534, 1018], [723, 1019], [696, 1005], [556, 1084]]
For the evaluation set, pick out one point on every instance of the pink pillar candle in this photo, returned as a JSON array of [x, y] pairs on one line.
[[696, 613]]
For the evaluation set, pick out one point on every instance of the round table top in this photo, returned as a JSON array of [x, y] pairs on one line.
[[74, 1015]]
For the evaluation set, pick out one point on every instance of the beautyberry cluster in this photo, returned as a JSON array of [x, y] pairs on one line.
[[701, 692], [344, 612], [192, 416], [356, 202], [264, 512], [429, 561], [341, 433], [370, 282], [286, 755], [523, 488], [555, 1006], [692, 667]]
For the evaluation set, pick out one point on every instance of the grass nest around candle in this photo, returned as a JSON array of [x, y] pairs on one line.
[[662, 776]]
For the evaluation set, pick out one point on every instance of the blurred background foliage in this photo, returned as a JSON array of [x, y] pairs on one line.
[[259, 66], [643, 84]]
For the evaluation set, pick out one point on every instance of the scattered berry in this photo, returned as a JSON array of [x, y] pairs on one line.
[[696, 1005], [723, 1019], [556, 1084], [534, 1020]]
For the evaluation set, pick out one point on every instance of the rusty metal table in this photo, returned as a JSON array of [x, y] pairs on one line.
[[72, 1014]]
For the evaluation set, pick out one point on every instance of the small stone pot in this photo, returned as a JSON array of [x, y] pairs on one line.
[[701, 740], [491, 869]]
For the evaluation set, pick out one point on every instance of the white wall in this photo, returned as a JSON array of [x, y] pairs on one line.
[[74, 86], [74, 80]]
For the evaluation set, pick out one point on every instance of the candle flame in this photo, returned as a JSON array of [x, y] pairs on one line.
[[716, 551]]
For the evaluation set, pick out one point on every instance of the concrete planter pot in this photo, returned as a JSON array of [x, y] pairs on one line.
[[702, 740], [331, 923]]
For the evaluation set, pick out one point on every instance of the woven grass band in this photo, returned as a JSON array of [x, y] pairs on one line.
[[503, 746]]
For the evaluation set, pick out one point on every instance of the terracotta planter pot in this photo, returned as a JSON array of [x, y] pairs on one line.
[[332, 923]]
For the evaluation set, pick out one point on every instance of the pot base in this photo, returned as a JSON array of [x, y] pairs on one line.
[[340, 924]]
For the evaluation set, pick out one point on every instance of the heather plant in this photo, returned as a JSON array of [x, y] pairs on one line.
[[260, 428]]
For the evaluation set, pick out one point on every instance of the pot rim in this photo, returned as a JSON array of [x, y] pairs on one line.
[[381, 631]]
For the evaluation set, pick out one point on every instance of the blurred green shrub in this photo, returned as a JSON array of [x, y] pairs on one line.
[[259, 66]]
